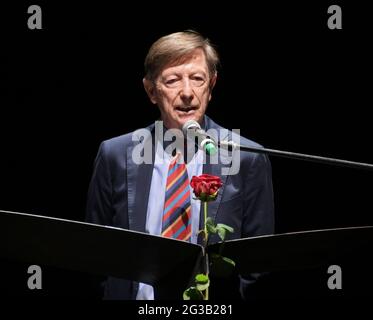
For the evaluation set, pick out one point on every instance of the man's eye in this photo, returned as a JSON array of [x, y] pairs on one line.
[[171, 81], [198, 80]]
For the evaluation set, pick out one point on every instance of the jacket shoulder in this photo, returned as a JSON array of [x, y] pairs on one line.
[[235, 137], [117, 146]]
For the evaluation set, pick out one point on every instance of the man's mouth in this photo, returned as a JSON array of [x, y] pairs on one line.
[[186, 109]]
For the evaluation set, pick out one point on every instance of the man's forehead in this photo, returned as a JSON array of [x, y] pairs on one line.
[[197, 54]]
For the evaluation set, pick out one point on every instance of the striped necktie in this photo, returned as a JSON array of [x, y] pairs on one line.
[[176, 221]]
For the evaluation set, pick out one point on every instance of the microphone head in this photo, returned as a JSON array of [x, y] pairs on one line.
[[207, 144], [190, 124]]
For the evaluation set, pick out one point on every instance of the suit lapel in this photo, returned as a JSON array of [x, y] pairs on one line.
[[139, 178], [216, 170]]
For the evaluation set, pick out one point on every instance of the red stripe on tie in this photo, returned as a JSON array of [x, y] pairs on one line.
[[178, 219], [174, 228], [174, 196], [171, 179], [177, 205], [186, 234]]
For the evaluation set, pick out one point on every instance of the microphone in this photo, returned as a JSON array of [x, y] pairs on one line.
[[210, 146], [206, 143]]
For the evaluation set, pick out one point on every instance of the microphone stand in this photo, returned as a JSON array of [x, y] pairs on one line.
[[298, 156]]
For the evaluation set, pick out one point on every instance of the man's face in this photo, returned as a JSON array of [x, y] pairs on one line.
[[182, 92]]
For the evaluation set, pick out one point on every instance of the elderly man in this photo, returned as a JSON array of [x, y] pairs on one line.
[[180, 74]]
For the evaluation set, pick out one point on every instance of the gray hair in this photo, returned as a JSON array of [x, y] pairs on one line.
[[174, 48]]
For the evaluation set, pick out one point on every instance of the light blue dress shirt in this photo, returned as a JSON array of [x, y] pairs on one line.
[[156, 202]]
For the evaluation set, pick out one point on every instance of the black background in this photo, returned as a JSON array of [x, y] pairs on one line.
[[286, 81]]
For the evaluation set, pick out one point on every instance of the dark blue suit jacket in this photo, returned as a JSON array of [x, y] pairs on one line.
[[119, 191]]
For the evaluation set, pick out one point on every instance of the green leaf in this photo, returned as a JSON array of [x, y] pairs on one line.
[[210, 225], [202, 196], [192, 294], [202, 281], [226, 227], [212, 197], [221, 266], [221, 233], [202, 278], [229, 261], [222, 230], [202, 287]]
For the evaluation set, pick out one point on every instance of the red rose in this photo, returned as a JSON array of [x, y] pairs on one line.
[[206, 187]]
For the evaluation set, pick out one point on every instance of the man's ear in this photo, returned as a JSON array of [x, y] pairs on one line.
[[212, 83], [150, 90]]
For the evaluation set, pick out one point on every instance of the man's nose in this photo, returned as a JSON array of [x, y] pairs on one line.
[[186, 91]]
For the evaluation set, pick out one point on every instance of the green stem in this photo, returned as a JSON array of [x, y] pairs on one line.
[[205, 212], [206, 240]]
